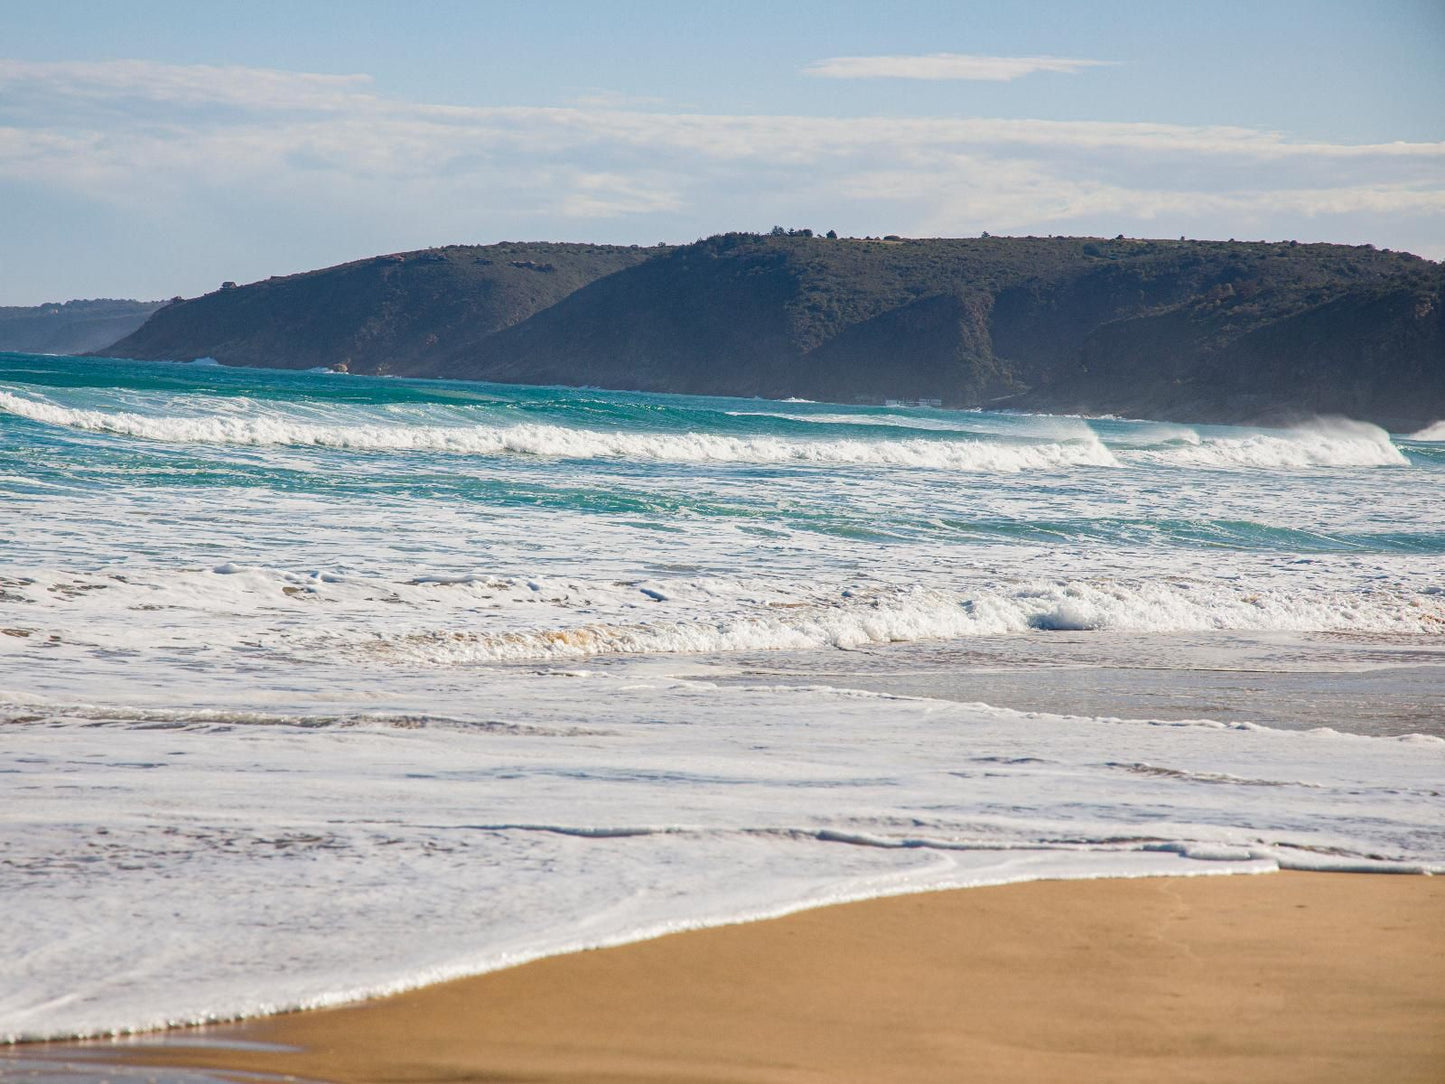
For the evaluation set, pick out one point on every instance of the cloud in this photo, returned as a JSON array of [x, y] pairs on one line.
[[313, 122], [1021, 195], [128, 81], [609, 195], [997, 69], [325, 167], [613, 99]]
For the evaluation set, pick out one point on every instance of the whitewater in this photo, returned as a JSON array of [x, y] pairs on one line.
[[316, 686]]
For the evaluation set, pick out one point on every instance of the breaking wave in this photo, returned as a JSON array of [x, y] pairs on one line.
[[566, 443], [896, 421], [1430, 432], [917, 614], [1334, 442]]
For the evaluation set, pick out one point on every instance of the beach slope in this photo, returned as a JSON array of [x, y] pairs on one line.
[[1284, 977]]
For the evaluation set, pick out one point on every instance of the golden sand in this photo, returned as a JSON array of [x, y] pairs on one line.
[[1282, 977]]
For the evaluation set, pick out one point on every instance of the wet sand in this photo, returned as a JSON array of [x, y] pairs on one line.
[[1383, 686], [1280, 977]]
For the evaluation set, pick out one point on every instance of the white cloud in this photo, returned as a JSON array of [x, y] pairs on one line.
[[181, 84], [1017, 196], [326, 121], [608, 195], [325, 156], [613, 99], [996, 69]]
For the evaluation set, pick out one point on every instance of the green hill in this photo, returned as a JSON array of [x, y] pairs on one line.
[[388, 314], [1187, 330], [70, 327]]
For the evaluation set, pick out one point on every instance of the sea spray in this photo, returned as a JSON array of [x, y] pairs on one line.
[[1333, 442]]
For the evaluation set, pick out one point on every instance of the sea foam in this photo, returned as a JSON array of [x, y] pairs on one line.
[[567, 443], [1334, 442], [288, 723], [912, 615], [163, 874]]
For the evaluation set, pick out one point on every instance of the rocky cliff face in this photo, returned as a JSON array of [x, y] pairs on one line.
[[1203, 331]]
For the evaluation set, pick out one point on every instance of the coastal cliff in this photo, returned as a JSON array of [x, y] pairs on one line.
[[1186, 330]]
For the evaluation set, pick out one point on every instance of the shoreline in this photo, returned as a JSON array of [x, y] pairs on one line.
[[1292, 976]]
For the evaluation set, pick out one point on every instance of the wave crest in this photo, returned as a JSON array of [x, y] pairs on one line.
[[1326, 442], [565, 443]]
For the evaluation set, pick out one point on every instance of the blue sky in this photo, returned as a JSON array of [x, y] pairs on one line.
[[152, 149]]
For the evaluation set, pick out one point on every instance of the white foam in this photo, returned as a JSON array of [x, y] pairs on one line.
[[462, 618], [258, 755], [1163, 433], [567, 443], [1435, 431], [899, 421], [1335, 442], [164, 869], [910, 615]]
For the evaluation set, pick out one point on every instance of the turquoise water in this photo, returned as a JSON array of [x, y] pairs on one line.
[[1227, 505], [317, 686]]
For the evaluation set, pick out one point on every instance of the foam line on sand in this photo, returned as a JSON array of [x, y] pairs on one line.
[[1284, 977]]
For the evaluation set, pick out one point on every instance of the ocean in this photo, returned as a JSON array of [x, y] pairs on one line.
[[316, 686]]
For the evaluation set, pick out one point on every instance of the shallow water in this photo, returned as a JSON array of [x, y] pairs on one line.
[[314, 686], [1287, 681]]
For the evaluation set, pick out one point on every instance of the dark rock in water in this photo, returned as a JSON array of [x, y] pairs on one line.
[[1186, 330]]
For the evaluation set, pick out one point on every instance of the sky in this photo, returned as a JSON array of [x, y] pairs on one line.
[[154, 149]]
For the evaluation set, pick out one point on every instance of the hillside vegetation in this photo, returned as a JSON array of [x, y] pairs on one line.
[[1187, 330], [399, 313], [70, 327]]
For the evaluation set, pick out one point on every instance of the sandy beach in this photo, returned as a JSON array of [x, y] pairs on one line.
[[1281, 977], [750, 543]]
